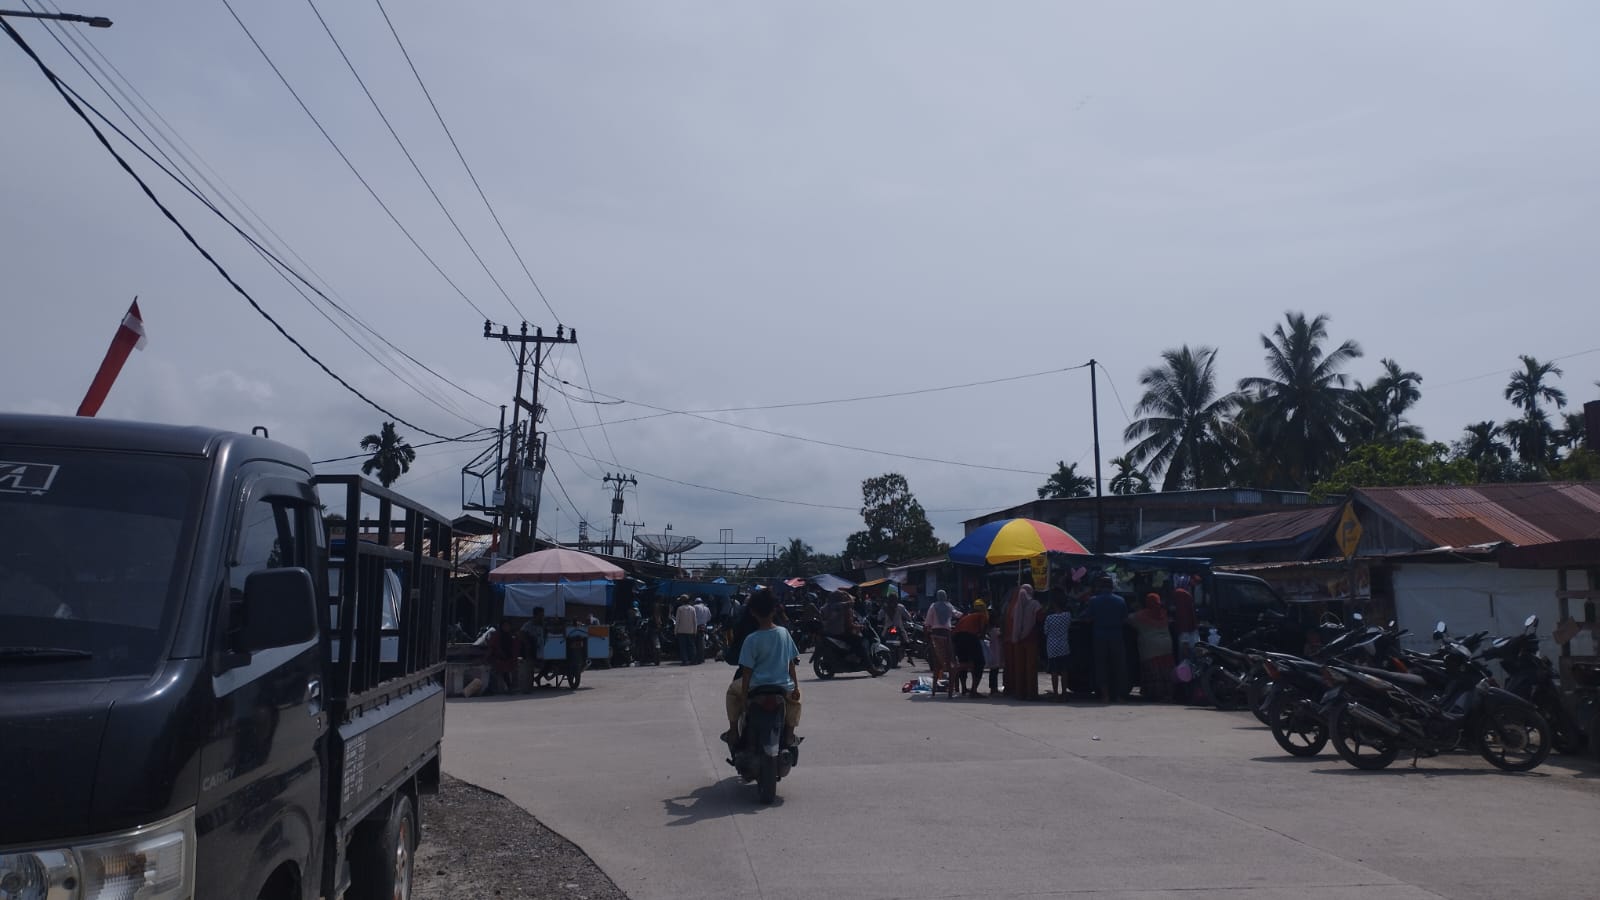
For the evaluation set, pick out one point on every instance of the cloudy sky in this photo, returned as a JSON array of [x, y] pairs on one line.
[[749, 204]]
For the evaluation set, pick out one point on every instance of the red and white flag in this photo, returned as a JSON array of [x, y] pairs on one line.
[[130, 336]]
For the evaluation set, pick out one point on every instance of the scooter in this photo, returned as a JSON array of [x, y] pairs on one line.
[[834, 655], [760, 754]]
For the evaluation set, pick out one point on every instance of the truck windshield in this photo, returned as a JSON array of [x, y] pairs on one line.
[[90, 547]]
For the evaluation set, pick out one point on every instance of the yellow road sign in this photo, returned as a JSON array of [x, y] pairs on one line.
[[1348, 533]]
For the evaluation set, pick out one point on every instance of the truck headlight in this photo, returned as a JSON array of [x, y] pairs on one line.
[[155, 862]]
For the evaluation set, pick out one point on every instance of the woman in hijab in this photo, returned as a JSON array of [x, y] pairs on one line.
[[1155, 648], [1020, 639]]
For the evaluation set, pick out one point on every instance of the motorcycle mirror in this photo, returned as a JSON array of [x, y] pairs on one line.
[[1438, 629], [1530, 623], [1358, 617]]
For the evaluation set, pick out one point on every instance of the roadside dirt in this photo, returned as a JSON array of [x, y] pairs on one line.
[[479, 844]]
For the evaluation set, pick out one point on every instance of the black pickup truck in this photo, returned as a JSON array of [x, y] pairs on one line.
[[199, 696]]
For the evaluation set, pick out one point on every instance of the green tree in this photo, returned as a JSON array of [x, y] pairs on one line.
[[1532, 437], [1527, 389], [1395, 465], [1383, 405], [1304, 412], [1581, 464], [795, 557], [1573, 433], [1128, 480], [897, 526], [391, 456], [1482, 446], [1184, 426], [1066, 482]]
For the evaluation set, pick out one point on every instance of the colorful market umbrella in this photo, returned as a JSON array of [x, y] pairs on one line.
[[1010, 540]]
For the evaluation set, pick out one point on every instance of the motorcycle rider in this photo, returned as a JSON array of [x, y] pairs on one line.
[[760, 662], [839, 621]]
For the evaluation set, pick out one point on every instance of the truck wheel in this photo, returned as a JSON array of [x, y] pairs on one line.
[[387, 856]]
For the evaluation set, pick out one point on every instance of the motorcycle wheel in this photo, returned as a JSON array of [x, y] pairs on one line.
[[1297, 729], [1513, 738], [820, 666], [1359, 745], [766, 778], [1221, 690], [878, 663]]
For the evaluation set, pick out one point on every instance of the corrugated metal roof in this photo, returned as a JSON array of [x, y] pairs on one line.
[[1518, 514], [1279, 527]]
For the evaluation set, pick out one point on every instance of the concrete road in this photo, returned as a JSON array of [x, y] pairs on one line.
[[900, 796]]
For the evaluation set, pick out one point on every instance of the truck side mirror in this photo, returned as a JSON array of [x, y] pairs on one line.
[[280, 609]]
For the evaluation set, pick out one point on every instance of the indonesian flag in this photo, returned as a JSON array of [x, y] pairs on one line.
[[130, 336]]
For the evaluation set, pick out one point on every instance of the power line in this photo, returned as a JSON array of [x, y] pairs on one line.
[[1511, 371], [468, 438], [719, 490], [277, 265], [352, 166], [470, 174], [836, 445], [257, 240], [55, 82], [409, 158], [865, 397], [588, 383], [1115, 393]]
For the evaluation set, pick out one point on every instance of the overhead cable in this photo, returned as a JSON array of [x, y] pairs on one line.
[[411, 159], [352, 166], [461, 156], [170, 169], [143, 186]]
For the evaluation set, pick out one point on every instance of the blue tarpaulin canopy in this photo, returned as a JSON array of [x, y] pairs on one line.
[[520, 599]]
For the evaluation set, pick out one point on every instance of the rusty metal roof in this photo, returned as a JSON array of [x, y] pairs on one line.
[[1518, 514], [1269, 528]]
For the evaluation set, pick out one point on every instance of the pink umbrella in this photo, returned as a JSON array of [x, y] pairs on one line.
[[556, 564]]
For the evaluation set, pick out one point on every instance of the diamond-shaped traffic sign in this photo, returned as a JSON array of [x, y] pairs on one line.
[[1348, 534]]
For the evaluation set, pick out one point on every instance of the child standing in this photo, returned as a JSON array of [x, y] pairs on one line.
[[1056, 625]]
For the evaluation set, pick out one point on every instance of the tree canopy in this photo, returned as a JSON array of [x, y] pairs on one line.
[[897, 526]]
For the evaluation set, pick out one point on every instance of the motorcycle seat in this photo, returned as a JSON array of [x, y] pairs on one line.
[[1405, 678], [762, 689]]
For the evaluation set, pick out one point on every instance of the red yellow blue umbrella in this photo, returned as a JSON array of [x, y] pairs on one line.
[[1012, 539]]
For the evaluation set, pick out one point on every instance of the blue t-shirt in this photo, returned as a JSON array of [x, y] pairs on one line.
[[766, 653], [1108, 612]]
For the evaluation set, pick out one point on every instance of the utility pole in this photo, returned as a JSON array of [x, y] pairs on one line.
[[632, 534], [620, 483], [530, 455], [1099, 499]]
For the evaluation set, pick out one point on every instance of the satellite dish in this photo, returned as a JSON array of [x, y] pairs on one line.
[[668, 544]]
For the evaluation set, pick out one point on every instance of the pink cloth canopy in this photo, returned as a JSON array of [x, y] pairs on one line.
[[555, 564]]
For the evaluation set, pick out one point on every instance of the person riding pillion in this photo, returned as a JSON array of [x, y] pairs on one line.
[[767, 656]]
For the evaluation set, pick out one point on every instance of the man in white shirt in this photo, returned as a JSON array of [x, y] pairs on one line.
[[685, 626], [702, 618]]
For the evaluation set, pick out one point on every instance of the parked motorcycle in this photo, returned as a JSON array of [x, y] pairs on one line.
[[1532, 676], [832, 655], [760, 753], [1377, 714]]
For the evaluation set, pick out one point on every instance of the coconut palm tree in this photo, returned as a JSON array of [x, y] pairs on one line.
[[1305, 413], [1532, 437], [1396, 390], [1482, 445], [1573, 433], [795, 556], [1128, 480], [1527, 389], [391, 456], [1066, 482], [1184, 424]]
